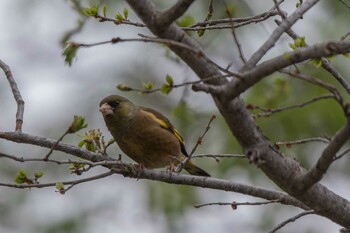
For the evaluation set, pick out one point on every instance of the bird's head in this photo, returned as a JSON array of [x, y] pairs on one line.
[[117, 107]]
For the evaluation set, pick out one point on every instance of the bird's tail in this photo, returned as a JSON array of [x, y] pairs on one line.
[[195, 170]]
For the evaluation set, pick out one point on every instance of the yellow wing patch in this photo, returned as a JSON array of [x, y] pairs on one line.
[[165, 125]]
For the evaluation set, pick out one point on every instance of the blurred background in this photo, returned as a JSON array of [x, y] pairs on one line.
[[30, 43]]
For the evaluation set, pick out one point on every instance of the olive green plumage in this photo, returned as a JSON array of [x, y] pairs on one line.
[[145, 135]]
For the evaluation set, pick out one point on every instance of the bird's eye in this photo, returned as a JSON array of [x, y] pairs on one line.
[[114, 104]]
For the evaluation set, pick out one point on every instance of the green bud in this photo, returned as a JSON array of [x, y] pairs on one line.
[[38, 175], [148, 86], [169, 80], [91, 11], [119, 17], [104, 11], [122, 87], [77, 124], [20, 177], [70, 52], [126, 13], [165, 88]]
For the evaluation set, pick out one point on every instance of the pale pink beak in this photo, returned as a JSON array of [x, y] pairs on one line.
[[106, 109]]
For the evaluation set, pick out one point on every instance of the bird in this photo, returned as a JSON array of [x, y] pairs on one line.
[[145, 135]]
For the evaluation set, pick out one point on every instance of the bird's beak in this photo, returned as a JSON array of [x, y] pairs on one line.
[[106, 109]]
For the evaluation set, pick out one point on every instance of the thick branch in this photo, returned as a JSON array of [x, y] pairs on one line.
[[168, 16], [16, 95], [249, 78]]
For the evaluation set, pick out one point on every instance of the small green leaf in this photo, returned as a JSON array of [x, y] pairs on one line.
[[185, 21], [38, 174], [298, 43], [60, 187], [316, 62], [165, 88], [122, 87], [77, 124], [91, 11], [286, 56], [200, 32], [230, 9], [20, 177], [125, 13], [148, 86], [89, 146], [81, 143], [70, 52], [169, 80], [104, 10], [119, 17]]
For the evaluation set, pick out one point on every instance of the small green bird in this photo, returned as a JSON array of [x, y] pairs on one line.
[[145, 135]]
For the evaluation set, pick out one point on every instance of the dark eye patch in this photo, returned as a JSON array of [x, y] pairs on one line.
[[114, 104]]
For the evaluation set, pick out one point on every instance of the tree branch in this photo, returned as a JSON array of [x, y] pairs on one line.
[[129, 171], [325, 63], [249, 78], [282, 170], [293, 219], [16, 94], [316, 173], [276, 34], [168, 16]]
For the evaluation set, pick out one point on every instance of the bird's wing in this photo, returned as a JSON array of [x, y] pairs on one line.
[[165, 123]]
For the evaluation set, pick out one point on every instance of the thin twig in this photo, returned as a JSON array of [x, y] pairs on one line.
[[53, 147], [293, 219], [268, 112], [251, 19], [71, 183], [234, 35], [217, 156], [303, 141], [199, 142], [148, 91], [342, 154], [118, 22], [59, 162], [16, 94], [235, 204]]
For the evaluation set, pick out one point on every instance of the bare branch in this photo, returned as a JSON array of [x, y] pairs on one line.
[[235, 204], [16, 94], [276, 34], [168, 16], [303, 141], [199, 142], [293, 219], [316, 173], [243, 21], [269, 111]]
